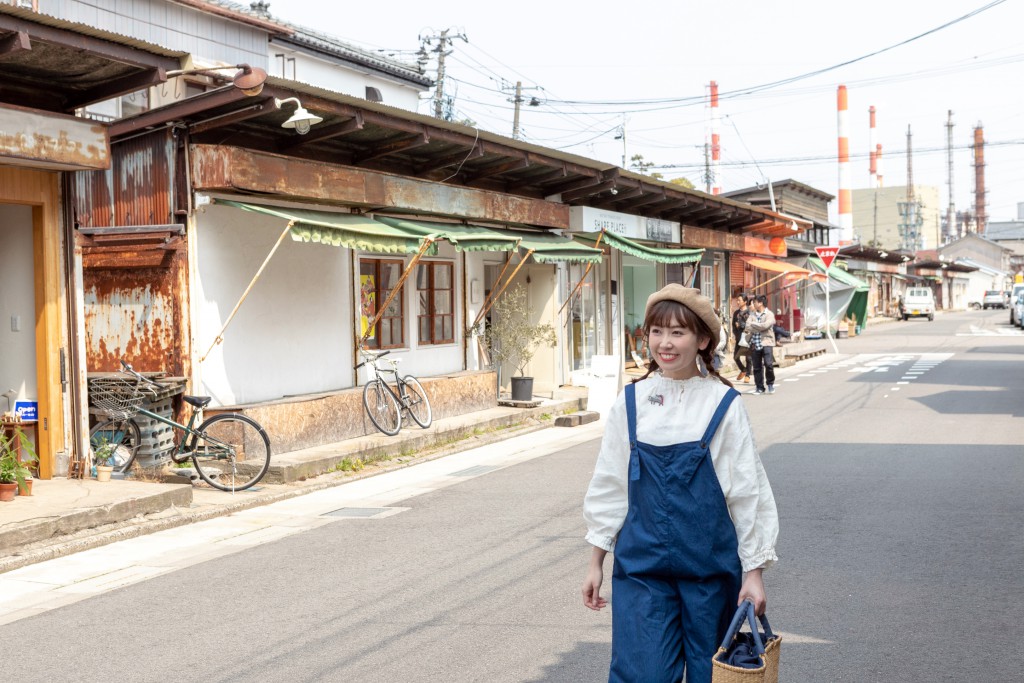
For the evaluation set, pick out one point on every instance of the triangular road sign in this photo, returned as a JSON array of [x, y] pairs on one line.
[[827, 255]]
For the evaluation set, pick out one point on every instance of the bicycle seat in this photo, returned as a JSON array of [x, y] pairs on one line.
[[198, 401]]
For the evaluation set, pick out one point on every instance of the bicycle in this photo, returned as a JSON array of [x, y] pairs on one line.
[[385, 405], [229, 451]]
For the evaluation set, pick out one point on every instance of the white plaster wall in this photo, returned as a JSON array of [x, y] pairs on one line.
[[349, 80], [427, 360], [17, 298], [293, 334]]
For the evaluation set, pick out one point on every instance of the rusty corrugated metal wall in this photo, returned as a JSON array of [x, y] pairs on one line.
[[135, 286]]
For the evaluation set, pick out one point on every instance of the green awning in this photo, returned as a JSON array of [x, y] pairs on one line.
[[463, 237], [340, 229], [840, 275], [658, 255], [548, 248]]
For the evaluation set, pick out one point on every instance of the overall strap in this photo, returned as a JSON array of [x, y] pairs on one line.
[[634, 460], [716, 419]]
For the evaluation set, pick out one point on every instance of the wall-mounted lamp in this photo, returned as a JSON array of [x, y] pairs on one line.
[[249, 80], [614, 191], [883, 254], [301, 120]]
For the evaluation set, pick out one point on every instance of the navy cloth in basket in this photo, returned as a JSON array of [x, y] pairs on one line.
[[744, 650]]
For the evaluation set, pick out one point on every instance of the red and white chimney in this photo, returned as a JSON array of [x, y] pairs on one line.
[[872, 146], [878, 165], [716, 146], [845, 190]]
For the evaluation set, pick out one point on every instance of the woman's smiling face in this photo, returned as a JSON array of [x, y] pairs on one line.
[[674, 346]]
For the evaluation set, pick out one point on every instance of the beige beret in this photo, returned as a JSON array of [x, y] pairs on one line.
[[692, 299]]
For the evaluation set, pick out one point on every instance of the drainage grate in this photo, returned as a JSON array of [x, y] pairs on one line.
[[474, 471], [358, 512]]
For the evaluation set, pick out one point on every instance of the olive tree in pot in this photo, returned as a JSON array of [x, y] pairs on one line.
[[511, 338]]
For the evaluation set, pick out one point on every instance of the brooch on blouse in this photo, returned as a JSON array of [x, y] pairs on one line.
[[656, 400]]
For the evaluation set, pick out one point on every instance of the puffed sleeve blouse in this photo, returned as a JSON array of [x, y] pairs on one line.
[[682, 415]]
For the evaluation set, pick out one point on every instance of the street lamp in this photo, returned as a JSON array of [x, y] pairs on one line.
[[249, 79], [301, 120]]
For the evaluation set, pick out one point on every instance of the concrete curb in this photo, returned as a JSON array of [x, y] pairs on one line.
[[529, 421]]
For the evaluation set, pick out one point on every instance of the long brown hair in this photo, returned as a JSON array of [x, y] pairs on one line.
[[669, 313]]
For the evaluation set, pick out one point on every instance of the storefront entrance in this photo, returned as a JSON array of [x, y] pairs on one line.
[[17, 310]]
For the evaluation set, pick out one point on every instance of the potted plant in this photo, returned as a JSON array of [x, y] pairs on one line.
[[511, 338], [14, 471], [103, 457]]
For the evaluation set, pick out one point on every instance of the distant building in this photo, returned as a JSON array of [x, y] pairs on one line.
[[877, 218], [218, 33], [1010, 234]]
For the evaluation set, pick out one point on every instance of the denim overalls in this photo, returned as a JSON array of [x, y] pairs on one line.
[[677, 571]]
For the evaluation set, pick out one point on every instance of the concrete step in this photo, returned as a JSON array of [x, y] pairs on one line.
[[576, 419]]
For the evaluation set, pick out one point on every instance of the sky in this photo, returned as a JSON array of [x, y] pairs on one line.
[[595, 66]]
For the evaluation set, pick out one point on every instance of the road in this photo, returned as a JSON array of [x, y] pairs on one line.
[[897, 467]]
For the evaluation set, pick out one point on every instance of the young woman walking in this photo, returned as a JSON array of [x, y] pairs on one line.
[[681, 496]]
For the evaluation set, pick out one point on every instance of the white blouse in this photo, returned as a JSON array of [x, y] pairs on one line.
[[682, 415]]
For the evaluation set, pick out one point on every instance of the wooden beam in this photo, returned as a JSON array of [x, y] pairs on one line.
[[621, 196], [390, 148], [584, 192], [14, 43], [326, 133], [644, 201], [191, 107], [119, 86], [237, 116], [453, 159], [537, 178], [499, 168]]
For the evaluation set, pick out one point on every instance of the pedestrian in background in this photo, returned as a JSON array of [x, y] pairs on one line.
[[718, 359], [760, 325], [740, 354], [680, 494]]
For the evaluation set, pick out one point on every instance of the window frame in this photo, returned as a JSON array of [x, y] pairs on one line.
[[430, 299], [380, 295]]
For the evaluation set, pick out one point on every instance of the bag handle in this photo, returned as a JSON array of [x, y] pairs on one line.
[[745, 611]]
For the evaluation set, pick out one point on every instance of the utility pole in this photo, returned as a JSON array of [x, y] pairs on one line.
[[517, 100], [951, 228], [444, 42], [707, 168]]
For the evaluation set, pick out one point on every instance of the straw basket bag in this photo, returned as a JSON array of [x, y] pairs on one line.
[[747, 657]]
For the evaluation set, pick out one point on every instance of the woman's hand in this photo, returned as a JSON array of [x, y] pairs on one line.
[[753, 590], [595, 577]]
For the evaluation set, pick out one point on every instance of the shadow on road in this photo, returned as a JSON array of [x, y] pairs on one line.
[[1016, 350], [585, 662]]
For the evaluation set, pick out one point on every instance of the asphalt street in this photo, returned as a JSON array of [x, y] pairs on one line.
[[897, 467]]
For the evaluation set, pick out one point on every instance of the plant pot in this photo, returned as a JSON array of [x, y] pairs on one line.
[[7, 492], [522, 388], [103, 472], [26, 488]]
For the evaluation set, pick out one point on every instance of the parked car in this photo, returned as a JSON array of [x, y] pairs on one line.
[[1015, 313], [919, 302], [994, 298]]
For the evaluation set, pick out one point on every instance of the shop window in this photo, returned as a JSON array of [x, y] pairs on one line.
[[377, 279], [436, 315], [707, 281]]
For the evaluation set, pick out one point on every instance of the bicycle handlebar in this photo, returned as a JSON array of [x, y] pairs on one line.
[[369, 354], [125, 367]]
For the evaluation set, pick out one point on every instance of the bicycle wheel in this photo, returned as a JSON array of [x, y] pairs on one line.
[[124, 434], [231, 452], [418, 403], [382, 408]]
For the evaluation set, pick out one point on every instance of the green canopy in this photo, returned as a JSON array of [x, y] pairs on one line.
[[840, 275], [548, 248], [341, 229], [463, 237], [658, 255]]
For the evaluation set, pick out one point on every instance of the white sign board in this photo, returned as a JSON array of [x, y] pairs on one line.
[[589, 219]]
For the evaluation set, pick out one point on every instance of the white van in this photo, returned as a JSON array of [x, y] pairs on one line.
[[919, 302], [1018, 289]]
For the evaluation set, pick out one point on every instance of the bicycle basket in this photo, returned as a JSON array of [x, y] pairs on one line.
[[118, 397]]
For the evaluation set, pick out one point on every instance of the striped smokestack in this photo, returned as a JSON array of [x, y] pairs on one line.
[[878, 165], [872, 142], [716, 147], [845, 208]]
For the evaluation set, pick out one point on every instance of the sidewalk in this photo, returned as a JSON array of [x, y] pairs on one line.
[[65, 516]]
